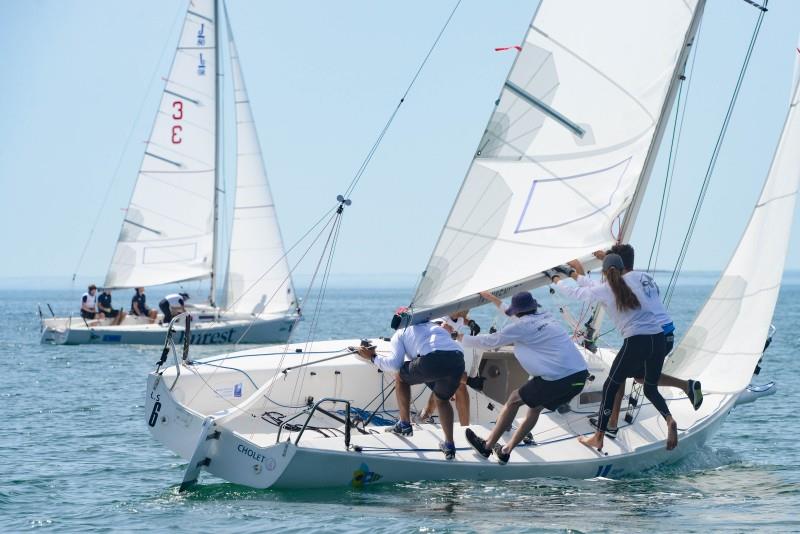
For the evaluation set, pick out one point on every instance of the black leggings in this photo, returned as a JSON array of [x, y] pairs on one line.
[[646, 351]]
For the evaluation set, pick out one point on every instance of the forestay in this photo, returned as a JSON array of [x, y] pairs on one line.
[[726, 340], [167, 232], [258, 279], [563, 152]]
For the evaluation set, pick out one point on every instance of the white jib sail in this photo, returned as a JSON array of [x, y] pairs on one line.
[[726, 340], [167, 232], [258, 279], [564, 149]]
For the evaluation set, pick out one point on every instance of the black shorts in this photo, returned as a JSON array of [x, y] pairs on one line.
[[88, 315], [111, 313], [144, 313], [166, 310], [552, 393], [440, 370]]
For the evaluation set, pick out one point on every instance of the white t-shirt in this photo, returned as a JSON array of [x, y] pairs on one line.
[[175, 300], [643, 321], [89, 301], [415, 341], [541, 345]]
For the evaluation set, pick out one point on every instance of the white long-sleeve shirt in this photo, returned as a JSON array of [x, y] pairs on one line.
[[646, 320], [541, 345], [657, 306], [415, 341]]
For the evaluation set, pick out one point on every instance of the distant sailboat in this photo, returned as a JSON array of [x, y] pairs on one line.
[[171, 229], [567, 151]]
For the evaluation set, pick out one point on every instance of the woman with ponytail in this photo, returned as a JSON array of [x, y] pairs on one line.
[[631, 302]]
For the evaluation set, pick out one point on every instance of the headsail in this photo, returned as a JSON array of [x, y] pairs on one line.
[[726, 340], [258, 279], [565, 147], [167, 232]]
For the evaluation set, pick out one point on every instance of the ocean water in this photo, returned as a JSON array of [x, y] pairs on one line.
[[75, 453]]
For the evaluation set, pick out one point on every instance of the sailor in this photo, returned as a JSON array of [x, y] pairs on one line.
[[172, 305], [631, 305], [104, 305], [139, 305], [544, 349], [88, 304], [453, 324], [434, 359], [692, 388]]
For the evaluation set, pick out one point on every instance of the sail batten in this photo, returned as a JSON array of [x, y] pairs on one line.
[[562, 155], [167, 232]]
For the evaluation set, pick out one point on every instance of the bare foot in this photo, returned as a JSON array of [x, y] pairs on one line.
[[595, 441], [672, 435]]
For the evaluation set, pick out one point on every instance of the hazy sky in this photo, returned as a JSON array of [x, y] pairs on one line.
[[81, 82]]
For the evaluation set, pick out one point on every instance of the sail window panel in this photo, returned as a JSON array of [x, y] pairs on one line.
[[539, 191]]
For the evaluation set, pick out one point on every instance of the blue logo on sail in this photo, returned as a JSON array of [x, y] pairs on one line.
[[201, 67], [201, 36]]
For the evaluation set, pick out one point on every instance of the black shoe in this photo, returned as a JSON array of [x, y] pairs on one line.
[[528, 439], [449, 450], [502, 457], [610, 432], [479, 444], [401, 429], [695, 393]]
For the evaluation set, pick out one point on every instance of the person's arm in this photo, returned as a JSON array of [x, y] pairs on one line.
[[585, 281], [135, 307], [391, 362], [506, 336], [590, 293]]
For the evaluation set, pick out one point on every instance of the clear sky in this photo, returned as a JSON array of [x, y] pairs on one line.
[[81, 82]]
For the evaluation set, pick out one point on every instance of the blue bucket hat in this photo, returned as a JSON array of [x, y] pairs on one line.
[[522, 302]]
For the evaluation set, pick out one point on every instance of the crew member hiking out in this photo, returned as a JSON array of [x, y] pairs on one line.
[[432, 358], [631, 309], [546, 352]]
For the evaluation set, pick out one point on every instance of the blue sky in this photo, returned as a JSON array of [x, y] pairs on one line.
[[82, 78]]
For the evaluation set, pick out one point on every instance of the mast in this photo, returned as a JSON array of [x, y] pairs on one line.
[[626, 228], [217, 151]]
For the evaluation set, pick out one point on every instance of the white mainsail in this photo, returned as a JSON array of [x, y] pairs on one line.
[[167, 234], [726, 340], [258, 279], [565, 148]]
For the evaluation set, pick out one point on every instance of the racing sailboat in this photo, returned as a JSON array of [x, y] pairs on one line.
[[171, 228], [554, 170]]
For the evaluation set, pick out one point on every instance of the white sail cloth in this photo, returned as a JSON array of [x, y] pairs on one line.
[[726, 340], [258, 279], [167, 233], [564, 149]]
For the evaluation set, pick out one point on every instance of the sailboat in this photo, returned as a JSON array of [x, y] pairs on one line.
[[567, 151], [172, 225]]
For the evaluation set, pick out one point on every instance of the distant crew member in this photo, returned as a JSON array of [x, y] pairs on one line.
[[139, 305], [89, 304], [172, 305], [104, 305], [544, 349], [433, 359]]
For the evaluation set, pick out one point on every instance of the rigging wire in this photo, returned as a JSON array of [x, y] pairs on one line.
[[713, 160]]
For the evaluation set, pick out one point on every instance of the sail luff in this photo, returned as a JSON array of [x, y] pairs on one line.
[[629, 220], [212, 296]]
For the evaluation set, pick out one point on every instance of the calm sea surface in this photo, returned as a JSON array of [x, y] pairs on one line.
[[75, 454]]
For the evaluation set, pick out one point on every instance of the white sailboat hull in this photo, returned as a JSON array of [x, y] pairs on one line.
[[200, 416], [75, 331]]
